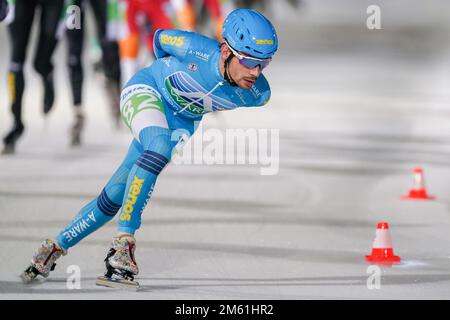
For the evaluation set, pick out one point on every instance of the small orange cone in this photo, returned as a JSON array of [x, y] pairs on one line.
[[382, 251], [418, 192]]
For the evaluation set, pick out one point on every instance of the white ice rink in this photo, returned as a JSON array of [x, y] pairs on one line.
[[357, 111]]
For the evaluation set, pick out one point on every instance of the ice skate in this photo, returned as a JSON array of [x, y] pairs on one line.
[[11, 139], [43, 261], [77, 128], [121, 266]]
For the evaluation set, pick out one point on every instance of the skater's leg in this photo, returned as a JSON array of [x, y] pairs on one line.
[[50, 18], [19, 31], [129, 44], [103, 208], [75, 50], [75, 39], [141, 181], [110, 58], [158, 18], [143, 112], [129, 51], [157, 145]]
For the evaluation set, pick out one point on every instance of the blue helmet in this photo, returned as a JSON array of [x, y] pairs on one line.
[[249, 32]]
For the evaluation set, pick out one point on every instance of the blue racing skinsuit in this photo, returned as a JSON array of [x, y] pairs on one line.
[[172, 94]]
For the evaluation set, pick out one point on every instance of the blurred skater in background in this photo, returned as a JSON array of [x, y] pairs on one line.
[[194, 15], [22, 16], [140, 17], [120, 27], [109, 58]]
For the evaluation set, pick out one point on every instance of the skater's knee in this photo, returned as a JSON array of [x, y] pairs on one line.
[[157, 140], [16, 66], [37, 65], [113, 193], [75, 67], [116, 192], [42, 67]]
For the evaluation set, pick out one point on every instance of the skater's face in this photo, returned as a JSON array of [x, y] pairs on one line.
[[240, 69]]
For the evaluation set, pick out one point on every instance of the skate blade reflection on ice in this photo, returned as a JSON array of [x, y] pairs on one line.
[[116, 283]]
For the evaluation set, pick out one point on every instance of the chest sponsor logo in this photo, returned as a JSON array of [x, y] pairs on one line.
[[187, 92]]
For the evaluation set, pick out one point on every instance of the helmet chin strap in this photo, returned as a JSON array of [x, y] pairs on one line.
[[226, 75]]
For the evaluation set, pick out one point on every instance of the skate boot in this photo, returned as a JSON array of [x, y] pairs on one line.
[[43, 261], [49, 93], [11, 138], [121, 266], [77, 128]]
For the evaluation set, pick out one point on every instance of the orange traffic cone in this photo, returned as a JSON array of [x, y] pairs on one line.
[[418, 191], [382, 251]]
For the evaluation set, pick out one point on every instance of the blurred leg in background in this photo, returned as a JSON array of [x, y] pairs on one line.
[[110, 56], [184, 14], [202, 15], [3, 9], [51, 17], [129, 42], [110, 64], [158, 18], [156, 15], [215, 13], [19, 30], [75, 39]]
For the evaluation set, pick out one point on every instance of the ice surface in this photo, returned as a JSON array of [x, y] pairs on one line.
[[357, 110]]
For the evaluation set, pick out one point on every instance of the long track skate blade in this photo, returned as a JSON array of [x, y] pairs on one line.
[[116, 283]]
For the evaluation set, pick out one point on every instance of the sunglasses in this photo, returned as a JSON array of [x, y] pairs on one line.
[[249, 62]]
